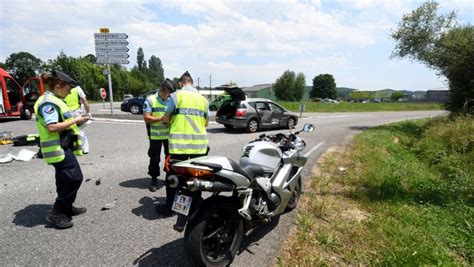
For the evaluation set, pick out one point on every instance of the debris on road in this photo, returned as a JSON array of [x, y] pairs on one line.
[[97, 182], [23, 155], [88, 179], [109, 205]]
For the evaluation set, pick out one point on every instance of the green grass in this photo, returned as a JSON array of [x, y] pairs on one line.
[[414, 183], [360, 107]]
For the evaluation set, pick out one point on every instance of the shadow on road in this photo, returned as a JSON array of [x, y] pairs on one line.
[[9, 119], [359, 128], [147, 208], [170, 254], [252, 238], [32, 215], [141, 183], [225, 131]]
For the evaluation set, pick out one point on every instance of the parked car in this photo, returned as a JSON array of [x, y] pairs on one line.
[[134, 105], [218, 101], [253, 114]]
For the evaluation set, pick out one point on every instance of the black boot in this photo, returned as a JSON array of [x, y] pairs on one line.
[[77, 211], [153, 184], [59, 219], [164, 210]]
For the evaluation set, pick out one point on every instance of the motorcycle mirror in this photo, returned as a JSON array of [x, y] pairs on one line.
[[308, 127]]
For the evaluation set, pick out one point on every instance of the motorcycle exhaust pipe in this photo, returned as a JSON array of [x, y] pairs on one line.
[[215, 186], [173, 181]]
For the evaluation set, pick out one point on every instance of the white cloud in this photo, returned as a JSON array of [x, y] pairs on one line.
[[253, 41]]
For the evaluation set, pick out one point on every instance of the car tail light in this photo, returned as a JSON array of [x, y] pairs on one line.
[[239, 113]]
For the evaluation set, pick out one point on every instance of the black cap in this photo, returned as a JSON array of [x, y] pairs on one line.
[[64, 77], [168, 84]]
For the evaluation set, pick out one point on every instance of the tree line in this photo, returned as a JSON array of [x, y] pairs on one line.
[[143, 77]]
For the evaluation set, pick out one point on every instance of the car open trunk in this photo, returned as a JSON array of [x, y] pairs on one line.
[[229, 107]]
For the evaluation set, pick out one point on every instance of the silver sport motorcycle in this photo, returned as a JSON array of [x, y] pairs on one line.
[[264, 184]]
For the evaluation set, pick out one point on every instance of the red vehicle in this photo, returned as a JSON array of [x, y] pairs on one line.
[[15, 100]]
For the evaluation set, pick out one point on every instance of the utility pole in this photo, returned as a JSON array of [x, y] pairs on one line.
[[210, 86], [198, 84]]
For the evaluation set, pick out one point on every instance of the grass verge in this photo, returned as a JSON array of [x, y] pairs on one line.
[[401, 194], [360, 107]]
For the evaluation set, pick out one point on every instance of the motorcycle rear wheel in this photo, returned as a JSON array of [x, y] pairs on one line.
[[213, 237]]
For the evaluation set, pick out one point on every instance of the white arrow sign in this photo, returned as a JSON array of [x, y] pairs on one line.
[[110, 36], [118, 42], [112, 61], [106, 48], [111, 55]]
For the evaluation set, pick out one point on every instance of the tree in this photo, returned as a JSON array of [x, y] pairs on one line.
[[396, 95], [436, 41], [299, 86], [324, 86], [23, 65], [289, 86], [155, 70], [141, 59]]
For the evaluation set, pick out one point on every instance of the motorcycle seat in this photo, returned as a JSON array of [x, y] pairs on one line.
[[250, 171]]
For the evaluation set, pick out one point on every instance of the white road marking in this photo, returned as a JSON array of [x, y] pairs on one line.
[[127, 122], [313, 149]]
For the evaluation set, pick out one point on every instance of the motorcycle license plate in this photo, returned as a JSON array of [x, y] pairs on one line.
[[181, 204]]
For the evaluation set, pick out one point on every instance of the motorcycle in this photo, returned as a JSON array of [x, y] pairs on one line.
[[264, 184]]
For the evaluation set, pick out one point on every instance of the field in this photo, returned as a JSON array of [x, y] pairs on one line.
[[360, 107], [401, 194]]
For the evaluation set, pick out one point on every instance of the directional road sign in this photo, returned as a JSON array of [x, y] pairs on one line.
[[111, 48], [112, 61], [110, 36], [123, 49], [113, 42], [111, 55]]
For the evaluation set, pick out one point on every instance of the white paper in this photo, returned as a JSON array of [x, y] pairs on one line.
[[24, 155], [85, 124], [6, 158]]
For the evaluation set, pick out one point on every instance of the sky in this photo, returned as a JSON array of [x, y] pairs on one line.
[[247, 42]]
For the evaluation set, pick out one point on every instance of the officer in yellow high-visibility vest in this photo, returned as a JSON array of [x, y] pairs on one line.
[[187, 113], [153, 111], [59, 144], [74, 101]]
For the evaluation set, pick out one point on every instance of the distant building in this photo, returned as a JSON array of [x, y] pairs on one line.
[[441, 96], [210, 94], [260, 91]]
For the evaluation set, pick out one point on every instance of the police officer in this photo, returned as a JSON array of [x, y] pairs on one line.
[[187, 112], [60, 143], [74, 101], [153, 111]]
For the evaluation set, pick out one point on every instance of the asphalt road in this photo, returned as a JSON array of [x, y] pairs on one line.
[[131, 233]]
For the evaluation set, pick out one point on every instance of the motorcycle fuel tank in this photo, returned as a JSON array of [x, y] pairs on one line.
[[262, 154]]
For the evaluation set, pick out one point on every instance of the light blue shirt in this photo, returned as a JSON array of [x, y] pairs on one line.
[[171, 105], [50, 112], [147, 105]]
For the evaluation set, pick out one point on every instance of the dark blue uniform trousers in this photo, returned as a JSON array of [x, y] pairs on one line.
[[68, 180]]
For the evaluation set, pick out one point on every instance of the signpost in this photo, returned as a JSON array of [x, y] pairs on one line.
[[103, 95], [110, 48]]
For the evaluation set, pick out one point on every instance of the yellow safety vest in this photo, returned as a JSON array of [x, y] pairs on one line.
[[72, 99], [50, 142], [188, 124], [158, 130]]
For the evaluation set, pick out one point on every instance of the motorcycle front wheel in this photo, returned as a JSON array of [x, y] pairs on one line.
[[213, 237]]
